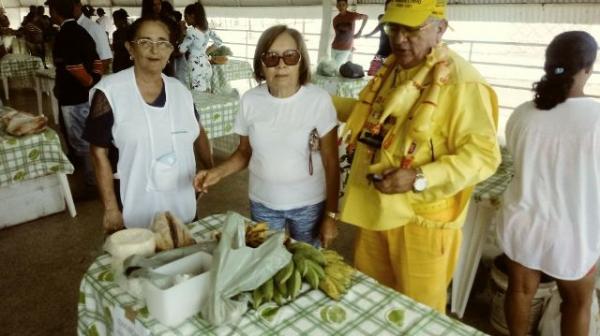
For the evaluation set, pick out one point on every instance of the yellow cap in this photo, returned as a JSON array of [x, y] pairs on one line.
[[413, 13]]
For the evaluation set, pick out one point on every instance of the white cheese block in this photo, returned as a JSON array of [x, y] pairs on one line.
[[125, 243]]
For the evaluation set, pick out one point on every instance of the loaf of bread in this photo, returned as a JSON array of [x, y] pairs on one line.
[[170, 232], [21, 123]]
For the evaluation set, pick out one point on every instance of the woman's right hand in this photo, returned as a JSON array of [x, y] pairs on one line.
[[205, 179], [112, 221]]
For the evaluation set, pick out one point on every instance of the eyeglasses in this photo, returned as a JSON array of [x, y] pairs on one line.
[[146, 44], [271, 59], [394, 29]]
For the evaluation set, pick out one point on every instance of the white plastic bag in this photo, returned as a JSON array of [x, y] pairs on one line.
[[237, 268], [550, 321]]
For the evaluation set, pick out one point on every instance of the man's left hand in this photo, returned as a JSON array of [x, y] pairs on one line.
[[397, 181]]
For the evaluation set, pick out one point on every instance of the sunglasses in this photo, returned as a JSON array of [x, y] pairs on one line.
[[271, 59], [393, 29]]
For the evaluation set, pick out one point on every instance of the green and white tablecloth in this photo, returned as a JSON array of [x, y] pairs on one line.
[[19, 65], [30, 156], [493, 188], [217, 112], [340, 86], [224, 73], [367, 309], [47, 78]]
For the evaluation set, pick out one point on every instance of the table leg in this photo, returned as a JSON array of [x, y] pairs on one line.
[[64, 183], [38, 93], [55, 107], [474, 233], [5, 84]]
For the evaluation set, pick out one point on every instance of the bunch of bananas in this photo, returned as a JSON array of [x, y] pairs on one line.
[[338, 275], [256, 234], [325, 270]]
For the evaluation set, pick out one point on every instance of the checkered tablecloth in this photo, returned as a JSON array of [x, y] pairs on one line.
[[367, 309], [340, 86], [224, 73], [493, 188], [30, 156], [217, 112], [19, 65]]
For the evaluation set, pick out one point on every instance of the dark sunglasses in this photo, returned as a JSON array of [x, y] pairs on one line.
[[271, 59]]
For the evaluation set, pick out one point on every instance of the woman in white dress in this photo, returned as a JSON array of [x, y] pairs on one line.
[[196, 41], [549, 221]]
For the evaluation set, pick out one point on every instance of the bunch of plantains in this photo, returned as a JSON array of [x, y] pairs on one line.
[[325, 270]]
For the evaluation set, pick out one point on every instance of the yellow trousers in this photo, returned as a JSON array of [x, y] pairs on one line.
[[416, 261]]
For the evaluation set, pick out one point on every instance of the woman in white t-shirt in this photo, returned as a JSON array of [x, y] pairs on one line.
[[288, 133], [549, 221]]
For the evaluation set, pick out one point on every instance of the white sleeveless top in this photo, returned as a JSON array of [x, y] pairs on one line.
[[143, 133]]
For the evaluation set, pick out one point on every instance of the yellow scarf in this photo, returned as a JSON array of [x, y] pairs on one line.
[[409, 98]]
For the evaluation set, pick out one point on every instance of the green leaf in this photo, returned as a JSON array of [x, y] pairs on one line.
[[12, 141], [144, 312], [228, 128], [396, 316], [336, 314], [20, 176], [269, 313], [49, 135], [92, 331], [107, 314], [55, 169], [81, 297], [106, 276], [34, 154], [216, 116], [324, 314]]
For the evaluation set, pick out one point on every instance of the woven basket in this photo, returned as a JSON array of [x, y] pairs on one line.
[[218, 59]]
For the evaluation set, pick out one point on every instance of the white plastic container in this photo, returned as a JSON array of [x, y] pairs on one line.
[[173, 305]]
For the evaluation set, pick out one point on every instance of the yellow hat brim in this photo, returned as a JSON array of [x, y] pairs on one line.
[[406, 17]]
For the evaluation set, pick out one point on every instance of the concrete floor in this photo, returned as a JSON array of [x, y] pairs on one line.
[[42, 261]]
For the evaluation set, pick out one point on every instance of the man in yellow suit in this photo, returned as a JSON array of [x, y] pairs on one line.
[[421, 135]]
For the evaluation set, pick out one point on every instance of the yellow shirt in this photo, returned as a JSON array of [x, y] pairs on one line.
[[462, 151]]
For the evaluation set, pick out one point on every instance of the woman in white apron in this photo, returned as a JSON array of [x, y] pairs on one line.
[[148, 121]]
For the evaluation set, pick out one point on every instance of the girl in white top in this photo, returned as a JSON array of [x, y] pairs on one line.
[[288, 133], [196, 41], [549, 221]]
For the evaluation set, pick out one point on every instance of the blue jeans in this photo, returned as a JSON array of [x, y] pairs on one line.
[[302, 223], [74, 117]]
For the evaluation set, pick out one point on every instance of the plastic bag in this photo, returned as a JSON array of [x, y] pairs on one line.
[[550, 322], [237, 268]]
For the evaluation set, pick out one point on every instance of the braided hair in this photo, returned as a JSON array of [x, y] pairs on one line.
[[567, 54]]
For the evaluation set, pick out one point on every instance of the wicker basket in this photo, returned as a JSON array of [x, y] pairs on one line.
[[218, 59]]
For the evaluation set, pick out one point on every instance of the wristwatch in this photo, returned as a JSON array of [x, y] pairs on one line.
[[420, 182]]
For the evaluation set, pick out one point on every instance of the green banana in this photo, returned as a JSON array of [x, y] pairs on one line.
[[300, 262], [329, 288], [267, 290], [277, 297], [285, 273], [294, 284], [256, 298], [315, 267], [313, 278]]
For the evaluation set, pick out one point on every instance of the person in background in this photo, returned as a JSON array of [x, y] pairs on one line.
[[97, 34], [344, 26], [421, 135], [88, 11], [30, 15], [104, 21], [549, 219], [151, 8], [45, 24], [142, 130], [288, 141], [179, 59], [196, 42], [34, 37], [78, 68], [121, 58], [384, 45], [5, 32]]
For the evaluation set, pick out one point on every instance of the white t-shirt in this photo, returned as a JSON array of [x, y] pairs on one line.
[[551, 212], [98, 35], [106, 23], [279, 130]]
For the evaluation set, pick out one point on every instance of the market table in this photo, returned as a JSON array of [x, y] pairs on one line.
[[217, 112], [478, 231], [36, 162], [230, 71], [18, 66], [340, 86], [44, 83], [367, 309]]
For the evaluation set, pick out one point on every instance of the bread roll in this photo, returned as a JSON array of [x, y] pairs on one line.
[[170, 232]]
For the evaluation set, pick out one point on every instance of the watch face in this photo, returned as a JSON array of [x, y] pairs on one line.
[[420, 184]]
